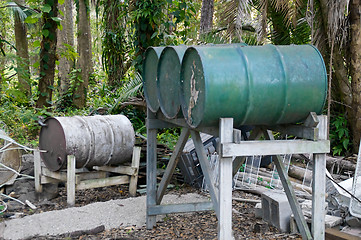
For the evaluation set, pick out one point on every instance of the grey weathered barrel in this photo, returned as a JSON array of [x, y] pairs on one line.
[[93, 140], [151, 57], [254, 85], [168, 82]]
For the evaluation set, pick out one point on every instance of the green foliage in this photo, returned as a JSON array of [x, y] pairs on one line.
[[168, 137], [340, 135], [66, 100]]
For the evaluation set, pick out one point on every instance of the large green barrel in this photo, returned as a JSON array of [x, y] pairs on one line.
[[255, 85], [151, 57], [168, 82]]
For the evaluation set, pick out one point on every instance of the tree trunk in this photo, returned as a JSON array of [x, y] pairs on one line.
[[355, 70], [206, 16], [85, 54], [113, 42], [22, 53], [47, 56], [65, 36]]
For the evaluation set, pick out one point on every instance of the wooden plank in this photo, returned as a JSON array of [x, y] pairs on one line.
[[225, 182], [256, 133], [277, 147], [237, 135], [37, 171], [158, 124], [311, 120], [61, 176], [206, 168], [172, 164], [135, 165], [180, 208], [89, 175], [151, 171], [128, 170], [290, 193], [180, 122], [310, 133], [334, 234], [70, 183], [102, 182], [45, 180], [319, 185]]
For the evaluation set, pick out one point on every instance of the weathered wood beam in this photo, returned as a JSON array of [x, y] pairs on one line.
[[276, 147], [172, 164], [102, 182], [206, 168], [310, 133], [225, 182], [179, 208]]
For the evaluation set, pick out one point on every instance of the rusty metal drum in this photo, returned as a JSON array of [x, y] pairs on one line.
[[168, 83], [151, 57], [254, 85], [93, 140]]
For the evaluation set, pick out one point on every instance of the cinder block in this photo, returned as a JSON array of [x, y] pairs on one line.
[[276, 210], [258, 211]]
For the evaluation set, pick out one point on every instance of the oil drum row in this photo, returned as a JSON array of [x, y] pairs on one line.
[[254, 85]]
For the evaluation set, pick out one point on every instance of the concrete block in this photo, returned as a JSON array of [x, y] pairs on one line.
[[258, 211], [276, 210]]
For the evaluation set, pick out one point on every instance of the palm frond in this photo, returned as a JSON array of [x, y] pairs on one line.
[[18, 10], [234, 14], [337, 20], [129, 89]]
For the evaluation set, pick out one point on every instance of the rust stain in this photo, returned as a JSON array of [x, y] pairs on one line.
[[194, 93]]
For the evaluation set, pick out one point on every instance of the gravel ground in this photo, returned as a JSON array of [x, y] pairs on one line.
[[200, 225]]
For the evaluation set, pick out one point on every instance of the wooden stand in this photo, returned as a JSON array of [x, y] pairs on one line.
[[313, 132], [77, 179]]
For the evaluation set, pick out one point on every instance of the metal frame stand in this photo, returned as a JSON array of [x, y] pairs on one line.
[[77, 179], [313, 132]]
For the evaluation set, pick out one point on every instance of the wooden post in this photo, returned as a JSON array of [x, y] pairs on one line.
[[206, 169], [225, 183], [319, 185], [290, 193], [70, 183], [134, 178], [37, 171], [151, 170]]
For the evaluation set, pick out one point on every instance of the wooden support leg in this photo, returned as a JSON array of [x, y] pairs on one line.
[[225, 183], [37, 171], [134, 178], [172, 164], [291, 196], [319, 185], [151, 172], [70, 183], [238, 161], [206, 169]]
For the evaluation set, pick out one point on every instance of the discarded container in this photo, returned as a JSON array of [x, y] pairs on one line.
[[94, 141], [254, 85], [168, 83], [10, 159], [150, 64]]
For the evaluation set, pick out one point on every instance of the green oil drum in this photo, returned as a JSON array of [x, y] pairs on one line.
[[168, 82], [254, 85], [151, 57]]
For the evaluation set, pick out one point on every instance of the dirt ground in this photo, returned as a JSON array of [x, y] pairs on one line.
[[200, 225]]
